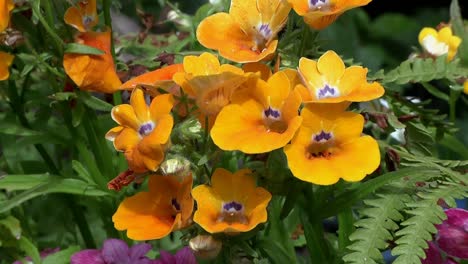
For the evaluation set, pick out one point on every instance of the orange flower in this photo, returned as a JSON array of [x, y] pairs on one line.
[[210, 83], [329, 146], [319, 14], [232, 204], [143, 131], [93, 72], [248, 32], [5, 7], [328, 81], [5, 61], [262, 118], [168, 206], [83, 16]]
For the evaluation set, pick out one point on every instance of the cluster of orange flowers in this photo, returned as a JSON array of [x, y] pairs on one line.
[[6, 59], [249, 109]]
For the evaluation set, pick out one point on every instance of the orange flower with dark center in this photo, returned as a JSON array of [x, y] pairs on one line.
[[93, 72], [5, 7], [232, 204], [248, 33], [166, 207], [143, 131], [5, 61], [83, 16], [262, 117], [319, 14], [210, 83], [329, 146]]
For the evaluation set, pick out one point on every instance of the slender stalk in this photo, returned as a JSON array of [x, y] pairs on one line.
[[58, 42], [345, 227], [453, 104]]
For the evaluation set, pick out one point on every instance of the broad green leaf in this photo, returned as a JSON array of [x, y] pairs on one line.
[[82, 49], [12, 225], [29, 249], [82, 171], [61, 257]]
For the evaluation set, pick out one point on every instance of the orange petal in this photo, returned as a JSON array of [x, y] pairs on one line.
[[138, 103], [159, 136], [331, 66], [152, 78], [125, 116], [259, 68], [73, 18], [5, 7], [113, 132], [126, 139], [160, 106], [5, 61]]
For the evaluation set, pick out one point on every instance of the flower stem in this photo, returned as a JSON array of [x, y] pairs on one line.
[[453, 104], [58, 42], [345, 227]]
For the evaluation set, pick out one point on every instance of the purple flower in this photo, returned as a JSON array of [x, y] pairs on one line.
[[114, 251], [183, 256], [453, 233], [433, 256]]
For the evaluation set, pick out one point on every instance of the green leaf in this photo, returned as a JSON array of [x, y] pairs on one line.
[[12, 225], [82, 49], [11, 128], [63, 96], [95, 103], [82, 171], [61, 257], [30, 250], [40, 184], [435, 92], [456, 20]]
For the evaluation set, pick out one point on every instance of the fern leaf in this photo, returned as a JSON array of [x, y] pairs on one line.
[[425, 213], [422, 70], [373, 231]]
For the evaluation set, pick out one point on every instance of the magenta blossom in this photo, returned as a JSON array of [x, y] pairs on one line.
[[453, 233], [114, 251], [183, 256], [434, 256]]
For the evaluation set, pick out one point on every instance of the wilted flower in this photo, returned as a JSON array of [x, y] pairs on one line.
[[438, 43], [320, 13], [114, 251], [143, 131], [83, 16], [183, 256], [6, 60], [205, 246], [248, 32], [210, 83], [329, 146], [5, 7], [232, 204], [93, 72], [149, 215], [262, 117], [327, 80]]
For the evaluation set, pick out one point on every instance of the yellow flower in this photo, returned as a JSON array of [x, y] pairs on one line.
[[93, 72], [262, 117], [83, 16], [210, 83], [318, 14], [328, 81], [329, 146], [168, 206], [465, 87], [143, 131], [232, 204], [438, 43], [5, 7], [248, 32], [5, 61]]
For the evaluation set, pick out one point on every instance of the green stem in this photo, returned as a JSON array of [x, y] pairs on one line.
[[313, 229], [305, 35], [453, 104], [345, 227], [58, 42], [108, 21]]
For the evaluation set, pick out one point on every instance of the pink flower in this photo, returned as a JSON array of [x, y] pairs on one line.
[[453, 233], [183, 256]]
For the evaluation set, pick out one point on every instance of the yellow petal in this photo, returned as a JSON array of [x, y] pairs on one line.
[[331, 66], [161, 106], [125, 116], [138, 103]]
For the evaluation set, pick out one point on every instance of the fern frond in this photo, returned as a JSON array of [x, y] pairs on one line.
[[425, 213], [422, 70], [373, 231]]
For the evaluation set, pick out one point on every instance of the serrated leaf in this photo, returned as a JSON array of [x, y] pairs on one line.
[[78, 48]]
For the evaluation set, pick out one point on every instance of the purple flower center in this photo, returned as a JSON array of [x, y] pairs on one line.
[[232, 207], [175, 204], [327, 92], [318, 4], [265, 30], [272, 113], [146, 128], [322, 137]]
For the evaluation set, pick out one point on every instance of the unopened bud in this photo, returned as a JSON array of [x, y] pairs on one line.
[[205, 246]]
